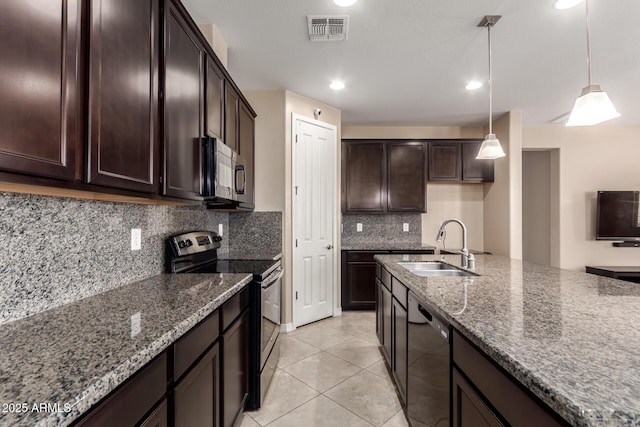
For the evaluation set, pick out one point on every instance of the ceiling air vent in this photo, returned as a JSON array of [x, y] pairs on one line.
[[328, 28]]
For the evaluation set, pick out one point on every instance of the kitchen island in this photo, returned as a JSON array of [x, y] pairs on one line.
[[568, 337], [56, 365]]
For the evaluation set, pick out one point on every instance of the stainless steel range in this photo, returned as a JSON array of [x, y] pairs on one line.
[[196, 252]]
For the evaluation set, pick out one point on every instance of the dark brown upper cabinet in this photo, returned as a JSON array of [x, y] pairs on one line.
[[231, 117], [384, 176], [456, 161], [365, 176], [215, 100], [123, 94], [246, 150], [40, 88], [406, 177], [474, 169], [183, 108]]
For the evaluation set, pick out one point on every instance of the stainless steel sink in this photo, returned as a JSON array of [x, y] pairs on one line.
[[434, 269]]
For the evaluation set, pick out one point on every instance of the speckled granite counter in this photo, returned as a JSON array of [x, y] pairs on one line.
[[76, 354], [257, 254], [386, 247], [572, 338]]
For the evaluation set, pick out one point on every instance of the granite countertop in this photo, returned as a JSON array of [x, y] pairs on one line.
[[74, 355], [571, 338], [386, 247], [258, 254]]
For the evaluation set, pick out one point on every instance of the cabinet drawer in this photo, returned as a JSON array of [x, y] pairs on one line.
[[188, 348], [128, 404], [385, 278], [399, 292], [506, 395], [363, 256], [234, 307]]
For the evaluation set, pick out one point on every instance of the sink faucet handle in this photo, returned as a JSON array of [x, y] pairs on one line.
[[471, 262]]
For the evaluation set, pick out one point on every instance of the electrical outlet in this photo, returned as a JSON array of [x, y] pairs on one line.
[[220, 230], [135, 324], [405, 226], [359, 226], [136, 239]]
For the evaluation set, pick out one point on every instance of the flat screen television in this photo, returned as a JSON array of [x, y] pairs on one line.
[[618, 215]]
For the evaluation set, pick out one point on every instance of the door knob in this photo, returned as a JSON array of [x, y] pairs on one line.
[[329, 246]]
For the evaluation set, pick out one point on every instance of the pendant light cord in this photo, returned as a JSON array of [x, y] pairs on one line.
[[489, 25], [588, 43]]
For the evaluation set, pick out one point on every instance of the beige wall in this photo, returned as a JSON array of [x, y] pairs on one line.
[[536, 206], [444, 200], [270, 148], [503, 198], [590, 159], [453, 200]]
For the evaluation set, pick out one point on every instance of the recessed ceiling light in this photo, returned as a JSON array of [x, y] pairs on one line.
[[566, 4], [345, 3], [337, 85], [473, 85]]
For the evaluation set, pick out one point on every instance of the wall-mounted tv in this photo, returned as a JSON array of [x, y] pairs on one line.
[[618, 216]]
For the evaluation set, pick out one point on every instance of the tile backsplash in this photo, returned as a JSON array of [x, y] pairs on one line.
[[381, 229], [255, 232], [58, 250]]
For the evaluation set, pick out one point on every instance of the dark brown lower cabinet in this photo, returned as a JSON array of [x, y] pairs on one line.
[[158, 418], [399, 348], [358, 280], [197, 395], [235, 371], [129, 404], [469, 408], [387, 315], [358, 277], [510, 402], [379, 322]]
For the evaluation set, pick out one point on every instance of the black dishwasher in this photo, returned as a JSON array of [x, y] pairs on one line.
[[428, 380]]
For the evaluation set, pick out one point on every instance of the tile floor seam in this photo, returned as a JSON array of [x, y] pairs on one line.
[[367, 367], [317, 332], [287, 413], [347, 409], [336, 384]]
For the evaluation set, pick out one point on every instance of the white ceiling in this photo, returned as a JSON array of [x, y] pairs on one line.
[[406, 62]]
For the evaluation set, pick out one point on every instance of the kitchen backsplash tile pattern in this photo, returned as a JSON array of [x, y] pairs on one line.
[[255, 232], [58, 250], [383, 229]]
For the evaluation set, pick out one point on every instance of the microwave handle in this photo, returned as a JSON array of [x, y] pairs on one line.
[[240, 189]]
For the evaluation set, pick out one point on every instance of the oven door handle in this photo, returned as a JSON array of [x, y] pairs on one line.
[[273, 277]]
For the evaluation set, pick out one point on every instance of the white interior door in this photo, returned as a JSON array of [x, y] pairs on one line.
[[314, 222]]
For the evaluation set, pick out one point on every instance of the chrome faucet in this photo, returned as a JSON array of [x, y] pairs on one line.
[[467, 260]]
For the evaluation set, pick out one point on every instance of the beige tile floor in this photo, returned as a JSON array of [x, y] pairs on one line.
[[330, 374]]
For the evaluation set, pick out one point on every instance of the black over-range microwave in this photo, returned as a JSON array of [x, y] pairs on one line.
[[224, 175]]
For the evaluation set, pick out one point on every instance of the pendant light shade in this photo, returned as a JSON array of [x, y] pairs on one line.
[[490, 148], [593, 106]]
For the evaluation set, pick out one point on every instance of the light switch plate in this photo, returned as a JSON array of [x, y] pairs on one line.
[[136, 239], [405, 226], [220, 230], [359, 226]]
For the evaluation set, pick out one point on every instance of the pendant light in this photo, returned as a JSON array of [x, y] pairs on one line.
[[593, 106], [490, 148]]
